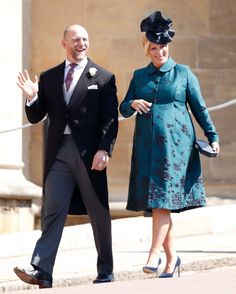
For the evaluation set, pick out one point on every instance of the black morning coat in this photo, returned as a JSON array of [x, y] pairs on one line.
[[92, 115]]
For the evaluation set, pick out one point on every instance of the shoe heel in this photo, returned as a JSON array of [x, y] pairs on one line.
[[179, 271], [45, 284], [178, 265]]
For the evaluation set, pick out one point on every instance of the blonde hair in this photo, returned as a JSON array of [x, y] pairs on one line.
[[146, 43]]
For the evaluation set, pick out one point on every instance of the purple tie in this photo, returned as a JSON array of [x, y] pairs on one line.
[[69, 77]]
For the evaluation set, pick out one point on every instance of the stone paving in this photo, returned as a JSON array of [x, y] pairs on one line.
[[205, 239]]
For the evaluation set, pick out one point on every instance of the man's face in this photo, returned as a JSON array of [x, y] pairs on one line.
[[76, 43]]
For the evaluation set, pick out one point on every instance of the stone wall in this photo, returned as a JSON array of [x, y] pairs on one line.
[[205, 40], [18, 197]]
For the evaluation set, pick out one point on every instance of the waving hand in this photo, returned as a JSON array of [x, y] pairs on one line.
[[29, 87]]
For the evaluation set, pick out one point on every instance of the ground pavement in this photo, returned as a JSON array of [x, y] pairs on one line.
[[205, 239], [217, 281]]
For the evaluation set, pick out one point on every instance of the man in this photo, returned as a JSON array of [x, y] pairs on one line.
[[79, 98]]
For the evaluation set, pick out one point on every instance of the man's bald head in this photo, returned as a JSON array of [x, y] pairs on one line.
[[74, 28], [76, 42]]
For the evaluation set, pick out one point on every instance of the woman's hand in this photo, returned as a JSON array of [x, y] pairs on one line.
[[29, 87], [141, 105], [215, 146]]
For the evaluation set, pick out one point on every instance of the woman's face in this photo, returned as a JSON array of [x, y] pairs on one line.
[[158, 53]]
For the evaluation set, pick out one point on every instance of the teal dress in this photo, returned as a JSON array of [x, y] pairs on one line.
[[165, 167]]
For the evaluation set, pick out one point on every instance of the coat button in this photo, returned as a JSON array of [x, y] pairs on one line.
[[157, 80]]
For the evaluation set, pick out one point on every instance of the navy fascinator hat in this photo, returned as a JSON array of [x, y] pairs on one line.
[[158, 29]]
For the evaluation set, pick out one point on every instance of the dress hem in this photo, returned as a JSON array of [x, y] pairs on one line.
[[172, 210]]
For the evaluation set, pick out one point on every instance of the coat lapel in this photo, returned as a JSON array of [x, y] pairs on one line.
[[81, 88], [58, 83]]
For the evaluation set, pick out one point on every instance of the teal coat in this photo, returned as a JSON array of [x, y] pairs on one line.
[[165, 167]]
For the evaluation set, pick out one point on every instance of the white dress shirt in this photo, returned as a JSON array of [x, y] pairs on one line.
[[78, 70]]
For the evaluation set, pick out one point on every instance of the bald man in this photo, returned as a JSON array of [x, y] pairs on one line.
[[79, 97]]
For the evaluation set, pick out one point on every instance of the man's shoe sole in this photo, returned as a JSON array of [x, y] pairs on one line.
[[102, 281], [32, 280]]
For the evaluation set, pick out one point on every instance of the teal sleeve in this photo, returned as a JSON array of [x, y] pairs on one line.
[[125, 107], [199, 109]]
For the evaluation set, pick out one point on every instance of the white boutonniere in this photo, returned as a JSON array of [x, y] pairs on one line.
[[92, 71]]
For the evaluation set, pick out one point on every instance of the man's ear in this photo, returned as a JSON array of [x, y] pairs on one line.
[[63, 43]]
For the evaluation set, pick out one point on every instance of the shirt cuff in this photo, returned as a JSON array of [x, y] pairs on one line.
[[29, 103]]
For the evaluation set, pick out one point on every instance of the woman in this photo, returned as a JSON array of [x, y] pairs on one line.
[[165, 167]]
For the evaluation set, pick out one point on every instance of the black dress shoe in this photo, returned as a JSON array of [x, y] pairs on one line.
[[104, 278], [34, 277]]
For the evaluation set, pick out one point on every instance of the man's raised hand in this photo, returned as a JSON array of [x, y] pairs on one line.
[[29, 87]]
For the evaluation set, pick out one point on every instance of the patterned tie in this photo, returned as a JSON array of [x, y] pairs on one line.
[[69, 77]]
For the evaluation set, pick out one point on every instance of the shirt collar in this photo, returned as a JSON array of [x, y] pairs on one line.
[[167, 66], [81, 64]]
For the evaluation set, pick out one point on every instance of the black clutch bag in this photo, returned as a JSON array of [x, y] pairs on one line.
[[205, 148]]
